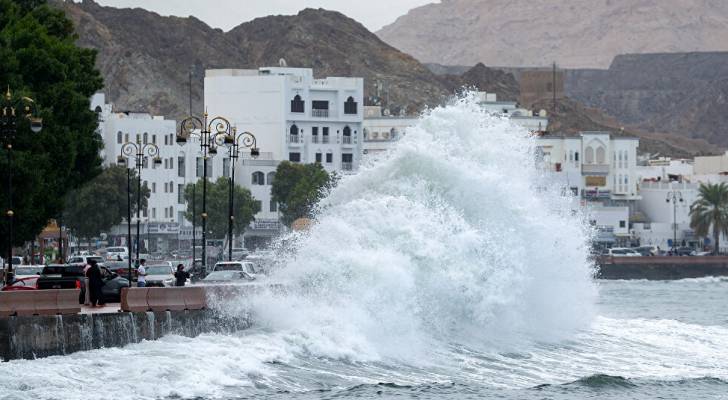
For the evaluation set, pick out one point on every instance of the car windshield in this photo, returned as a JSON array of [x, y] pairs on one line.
[[23, 271], [229, 267], [116, 250], [225, 276], [65, 270], [159, 270]]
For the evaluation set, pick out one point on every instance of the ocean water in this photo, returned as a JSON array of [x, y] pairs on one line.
[[450, 268]]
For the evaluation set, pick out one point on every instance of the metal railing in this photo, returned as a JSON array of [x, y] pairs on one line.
[[314, 139], [293, 138], [325, 139], [595, 169], [319, 113], [347, 166], [346, 139]]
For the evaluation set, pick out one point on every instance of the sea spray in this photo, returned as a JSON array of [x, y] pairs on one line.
[[453, 237]]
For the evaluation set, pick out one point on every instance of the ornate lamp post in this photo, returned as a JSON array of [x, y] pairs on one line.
[[139, 151], [675, 196], [247, 140], [14, 108], [212, 133]]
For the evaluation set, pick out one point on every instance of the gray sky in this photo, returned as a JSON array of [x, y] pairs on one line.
[[227, 14]]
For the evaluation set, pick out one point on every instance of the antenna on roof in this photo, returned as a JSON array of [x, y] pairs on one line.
[[282, 63]]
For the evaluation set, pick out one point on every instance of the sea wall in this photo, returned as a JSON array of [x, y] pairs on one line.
[[28, 337], [661, 268]]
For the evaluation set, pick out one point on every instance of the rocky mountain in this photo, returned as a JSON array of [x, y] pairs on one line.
[[574, 33], [484, 78], [146, 58], [683, 93]]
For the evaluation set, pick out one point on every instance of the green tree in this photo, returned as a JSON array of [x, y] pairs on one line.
[[102, 203], [218, 199], [710, 210], [298, 187], [41, 60]]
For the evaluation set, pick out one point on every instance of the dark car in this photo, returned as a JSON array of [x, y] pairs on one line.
[[683, 251], [71, 276]]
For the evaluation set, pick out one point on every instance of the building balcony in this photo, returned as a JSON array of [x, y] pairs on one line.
[[346, 139], [314, 139], [319, 113], [595, 169], [294, 139], [347, 166], [325, 139]]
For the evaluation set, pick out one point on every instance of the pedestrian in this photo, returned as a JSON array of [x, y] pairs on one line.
[[142, 274], [87, 292], [181, 275], [95, 282]]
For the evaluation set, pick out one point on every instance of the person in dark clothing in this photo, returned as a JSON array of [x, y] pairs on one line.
[[181, 275], [95, 282]]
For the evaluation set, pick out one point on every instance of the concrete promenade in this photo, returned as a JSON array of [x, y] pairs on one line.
[[661, 267]]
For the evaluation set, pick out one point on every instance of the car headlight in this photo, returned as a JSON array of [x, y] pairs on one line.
[[168, 282]]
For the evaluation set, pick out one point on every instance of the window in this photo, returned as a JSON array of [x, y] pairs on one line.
[[271, 175], [126, 137], [329, 158], [314, 134], [622, 224], [293, 134], [325, 138], [600, 155], [154, 213], [320, 105], [171, 163], [294, 157], [625, 158], [318, 157], [165, 187], [154, 187], [589, 155], [294, 129], [258, 178], [198, 171], [347, 135], [118, 137], [166, 139], [297, 105], [166, 162], [154, 139], [181, 194], [571, 155], [258, 205], [273, 206], [576, 156], [181, 166], [347, 161], [350, 106], [171, 187], [146, 138], [226, 167], [138, 138], [144, 212]]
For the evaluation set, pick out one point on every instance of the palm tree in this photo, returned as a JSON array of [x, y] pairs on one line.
[[710, 210]]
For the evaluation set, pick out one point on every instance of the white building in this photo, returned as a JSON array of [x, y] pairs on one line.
[[294, 117], [382, 131], [664, 169], [526, 118], [162, 221]]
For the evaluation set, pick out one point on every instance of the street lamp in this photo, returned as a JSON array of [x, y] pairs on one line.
[[139, 151], [14, 108], [211, 133], [233, 142], [675, 196]]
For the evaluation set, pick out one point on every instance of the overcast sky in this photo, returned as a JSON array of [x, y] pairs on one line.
[[227, 14]]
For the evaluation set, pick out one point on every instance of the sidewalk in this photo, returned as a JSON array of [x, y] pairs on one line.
[[108, 308]]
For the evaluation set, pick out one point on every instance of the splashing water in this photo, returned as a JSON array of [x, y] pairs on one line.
[[452, 237]]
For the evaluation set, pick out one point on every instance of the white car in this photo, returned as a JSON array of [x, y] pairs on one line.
[[117, 253], [245, 266], [161, 275], [623, 252], [85, 259]]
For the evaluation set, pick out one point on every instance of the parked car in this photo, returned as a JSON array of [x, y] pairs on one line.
[[71, 276], [623, 252], [683, 251], [117, 253], [647, 251], [228, 277], [27, 283], [701, 253], [245, 266], [161, 275], [84, 259]]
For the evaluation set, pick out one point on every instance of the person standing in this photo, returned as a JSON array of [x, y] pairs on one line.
[[95, 282], [87, 291], [181, 275], [142, 274]]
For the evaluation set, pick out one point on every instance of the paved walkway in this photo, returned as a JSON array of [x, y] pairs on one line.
[[108, 308]]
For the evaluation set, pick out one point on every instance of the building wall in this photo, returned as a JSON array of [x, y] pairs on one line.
[[711, 164], [653, 201]]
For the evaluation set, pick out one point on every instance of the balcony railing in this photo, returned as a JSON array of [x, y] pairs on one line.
[[346, 139], [595, 169], [319, 113], [347, 166], [314, 139], [293, 138], [325, 139]]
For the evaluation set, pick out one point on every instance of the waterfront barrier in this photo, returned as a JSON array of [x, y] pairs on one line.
[[661, 267], [164, 299], [39, 302]]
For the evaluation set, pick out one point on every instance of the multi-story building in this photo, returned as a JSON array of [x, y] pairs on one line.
[[520, 116], [600, 169], [382, 131], [668, 215], [162, 222], [294, 117]]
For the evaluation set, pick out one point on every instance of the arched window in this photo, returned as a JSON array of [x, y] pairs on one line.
[[297, 105], [258, 178], [146, 138], [350, 106], [626, 156], [97, 110], [271, 175], [294, 134], [118, 137], [347, 135], [589, 155], [600, 155]]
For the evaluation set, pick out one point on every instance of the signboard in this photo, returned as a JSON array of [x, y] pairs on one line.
[[164, 228], [596, 180]]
